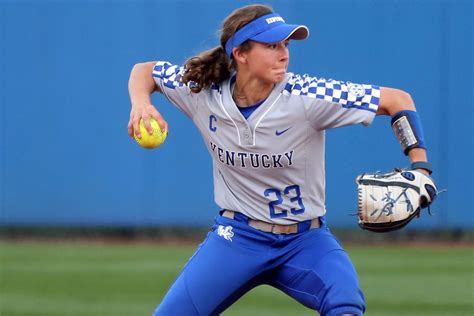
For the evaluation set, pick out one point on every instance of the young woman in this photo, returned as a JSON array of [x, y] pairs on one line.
[[264, 128]]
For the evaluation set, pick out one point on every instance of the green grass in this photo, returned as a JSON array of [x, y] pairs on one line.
[[79, 279]]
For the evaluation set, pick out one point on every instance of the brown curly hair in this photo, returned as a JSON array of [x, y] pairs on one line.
[[214, 66]]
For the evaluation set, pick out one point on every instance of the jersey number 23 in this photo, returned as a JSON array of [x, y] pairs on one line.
[[293, 193]]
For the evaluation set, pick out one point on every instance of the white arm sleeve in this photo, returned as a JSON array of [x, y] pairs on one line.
[[331, 103], [168, 77]]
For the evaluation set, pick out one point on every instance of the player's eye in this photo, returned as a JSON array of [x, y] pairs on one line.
[[275, 46]]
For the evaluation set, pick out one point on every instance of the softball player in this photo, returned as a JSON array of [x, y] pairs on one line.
[[264, 128]]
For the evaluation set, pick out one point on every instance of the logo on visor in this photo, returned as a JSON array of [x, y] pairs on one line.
[[275, 19]]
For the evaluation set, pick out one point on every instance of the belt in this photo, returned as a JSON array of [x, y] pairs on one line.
[[273, 228]]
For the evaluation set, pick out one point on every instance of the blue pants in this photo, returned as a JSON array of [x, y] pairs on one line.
[[309, 266]]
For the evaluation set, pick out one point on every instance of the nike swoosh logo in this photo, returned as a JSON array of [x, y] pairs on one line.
[[277, 133]]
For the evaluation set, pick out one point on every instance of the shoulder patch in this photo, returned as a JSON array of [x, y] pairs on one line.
[[356, 90]]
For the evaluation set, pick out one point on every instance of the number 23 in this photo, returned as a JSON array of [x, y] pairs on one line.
[[293, 190]]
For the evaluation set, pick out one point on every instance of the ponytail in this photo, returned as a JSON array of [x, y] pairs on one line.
[[211, 66]]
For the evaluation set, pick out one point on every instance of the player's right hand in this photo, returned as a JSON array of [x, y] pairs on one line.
[[144, 111]]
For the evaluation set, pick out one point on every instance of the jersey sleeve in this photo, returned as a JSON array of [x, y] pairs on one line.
[[168, 77], [331, 103]]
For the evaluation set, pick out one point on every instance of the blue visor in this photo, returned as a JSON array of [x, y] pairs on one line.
[[270, 28]]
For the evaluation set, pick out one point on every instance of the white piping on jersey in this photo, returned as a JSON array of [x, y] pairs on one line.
[[261, 117], [236, 127]]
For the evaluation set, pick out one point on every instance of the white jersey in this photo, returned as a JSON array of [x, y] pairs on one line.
[[270, 166]]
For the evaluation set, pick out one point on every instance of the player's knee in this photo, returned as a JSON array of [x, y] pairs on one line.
[[344, 301]]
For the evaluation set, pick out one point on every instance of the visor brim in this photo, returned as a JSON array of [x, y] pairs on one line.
[[281, 33]]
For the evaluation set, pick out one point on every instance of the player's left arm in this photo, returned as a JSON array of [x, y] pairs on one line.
[[393, 101], [399, 104]]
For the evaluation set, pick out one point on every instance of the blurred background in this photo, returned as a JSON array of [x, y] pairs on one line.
[[68, 167], [66, 158]]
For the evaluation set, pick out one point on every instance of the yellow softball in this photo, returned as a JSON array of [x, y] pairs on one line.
[[153, 140]]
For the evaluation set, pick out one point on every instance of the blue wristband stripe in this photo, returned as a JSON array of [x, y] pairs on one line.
[[414, 123]]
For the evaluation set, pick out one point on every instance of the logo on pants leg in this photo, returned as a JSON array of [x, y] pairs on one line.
[[225, 232]]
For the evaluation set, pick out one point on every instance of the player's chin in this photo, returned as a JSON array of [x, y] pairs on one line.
[[279, 76]]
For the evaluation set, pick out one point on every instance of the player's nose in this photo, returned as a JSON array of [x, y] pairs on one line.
[[284, 53]]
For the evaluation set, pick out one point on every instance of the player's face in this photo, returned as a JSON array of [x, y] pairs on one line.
[[268, 62]]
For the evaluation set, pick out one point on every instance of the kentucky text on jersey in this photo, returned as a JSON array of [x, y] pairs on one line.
[[254, 160]]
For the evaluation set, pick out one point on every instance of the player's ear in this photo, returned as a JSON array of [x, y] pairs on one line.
[[240, 56]]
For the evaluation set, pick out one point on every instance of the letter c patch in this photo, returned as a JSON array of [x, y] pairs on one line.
[[212, 119]]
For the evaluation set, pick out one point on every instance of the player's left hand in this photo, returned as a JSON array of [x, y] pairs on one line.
[[389, 201]]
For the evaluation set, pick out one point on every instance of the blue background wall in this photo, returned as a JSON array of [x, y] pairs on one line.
[[65, 156]]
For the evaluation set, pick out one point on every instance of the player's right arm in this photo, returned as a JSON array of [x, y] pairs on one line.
[[140, 86]]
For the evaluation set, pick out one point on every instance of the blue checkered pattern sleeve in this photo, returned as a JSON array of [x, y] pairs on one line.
[[331, 103], [168, 77]]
